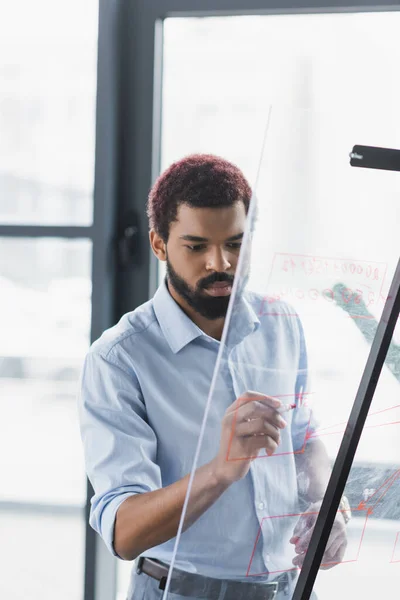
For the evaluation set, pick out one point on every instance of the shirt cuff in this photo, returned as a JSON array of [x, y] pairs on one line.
[[107, 520]]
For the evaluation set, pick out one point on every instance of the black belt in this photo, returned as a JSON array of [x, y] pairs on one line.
[[188, 584]]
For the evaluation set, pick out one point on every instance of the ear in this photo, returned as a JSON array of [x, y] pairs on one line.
[[158, 246]]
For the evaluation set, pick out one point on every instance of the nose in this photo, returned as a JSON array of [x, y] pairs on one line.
[[217, 261]]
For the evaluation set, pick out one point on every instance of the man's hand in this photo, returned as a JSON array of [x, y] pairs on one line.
[[251, 423], [303, 531]]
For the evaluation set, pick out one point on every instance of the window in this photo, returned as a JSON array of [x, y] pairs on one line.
[[47, 118]]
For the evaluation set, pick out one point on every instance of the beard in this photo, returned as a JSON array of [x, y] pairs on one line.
[[210, 307]]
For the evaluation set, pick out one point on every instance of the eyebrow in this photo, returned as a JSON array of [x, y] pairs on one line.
[[196, 238]]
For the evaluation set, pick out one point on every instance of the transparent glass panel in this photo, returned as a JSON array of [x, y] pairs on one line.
[[45, 295], [233, 69], [318, 256], [373, 489], [220, 73], [54, 542], [48, 54]]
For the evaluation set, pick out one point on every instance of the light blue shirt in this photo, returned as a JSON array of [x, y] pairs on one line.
[[145, 384]]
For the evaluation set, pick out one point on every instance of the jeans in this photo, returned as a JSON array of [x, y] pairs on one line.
[[144, 587]]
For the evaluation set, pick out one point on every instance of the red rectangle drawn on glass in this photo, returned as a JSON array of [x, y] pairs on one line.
[[352, 551]]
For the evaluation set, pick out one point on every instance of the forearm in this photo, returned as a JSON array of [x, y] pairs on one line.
[[147, 520], [314, 465]]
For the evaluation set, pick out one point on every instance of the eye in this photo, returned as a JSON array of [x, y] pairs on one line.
[[234, 245], [196, 248]]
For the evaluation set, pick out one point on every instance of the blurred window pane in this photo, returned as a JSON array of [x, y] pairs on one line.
[[222, 73], [42, 553], [124, 570], [44, 323], [45, 298], [47, 111]]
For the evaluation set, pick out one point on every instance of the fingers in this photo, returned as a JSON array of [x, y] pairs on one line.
[[301, 537], [261, 423], [259, 410], [306, 522], [251, 396], [334, 551], [304, 541], [330, 561], [255, 422], [336, 546], [258, 427], [298, 560], [253, 443]]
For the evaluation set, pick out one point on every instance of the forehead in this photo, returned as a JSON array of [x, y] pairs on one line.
[[209, 222]]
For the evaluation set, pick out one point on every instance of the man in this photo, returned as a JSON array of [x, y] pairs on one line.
[[145, 386]]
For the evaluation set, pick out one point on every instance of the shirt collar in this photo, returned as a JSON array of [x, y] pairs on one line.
[[179, 330], [243, 322]]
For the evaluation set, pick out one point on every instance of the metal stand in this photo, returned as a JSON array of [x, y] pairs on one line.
[[375, 158]]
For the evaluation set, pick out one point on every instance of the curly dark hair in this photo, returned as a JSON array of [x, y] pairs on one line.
[[198, 180]]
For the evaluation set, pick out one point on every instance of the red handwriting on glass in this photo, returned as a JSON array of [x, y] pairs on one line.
[[314, 265]]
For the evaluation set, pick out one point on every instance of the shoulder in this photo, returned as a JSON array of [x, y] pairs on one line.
[[130, 330]]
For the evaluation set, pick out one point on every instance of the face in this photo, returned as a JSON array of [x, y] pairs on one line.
[[202, 253]]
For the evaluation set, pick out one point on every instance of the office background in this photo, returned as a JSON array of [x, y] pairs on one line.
[[97, 98]]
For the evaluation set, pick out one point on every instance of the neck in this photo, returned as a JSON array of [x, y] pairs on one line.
[[213, 328]]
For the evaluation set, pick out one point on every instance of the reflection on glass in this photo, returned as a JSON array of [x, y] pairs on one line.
[[314, 272], [47, 107]]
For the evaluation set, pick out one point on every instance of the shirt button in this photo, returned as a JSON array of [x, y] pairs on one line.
[[261, 506]]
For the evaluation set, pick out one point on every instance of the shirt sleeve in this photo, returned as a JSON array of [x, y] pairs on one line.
[[303, 423], [119, 445]]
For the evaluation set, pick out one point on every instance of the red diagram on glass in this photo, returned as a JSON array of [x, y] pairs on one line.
[[396, 550], [298, 402], [302, 278], [352, 552], [380, 418], [365, 509]]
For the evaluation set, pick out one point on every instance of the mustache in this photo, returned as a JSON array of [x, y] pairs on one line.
[[215, 278]]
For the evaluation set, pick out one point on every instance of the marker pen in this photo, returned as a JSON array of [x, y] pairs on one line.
[[285, 408]]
